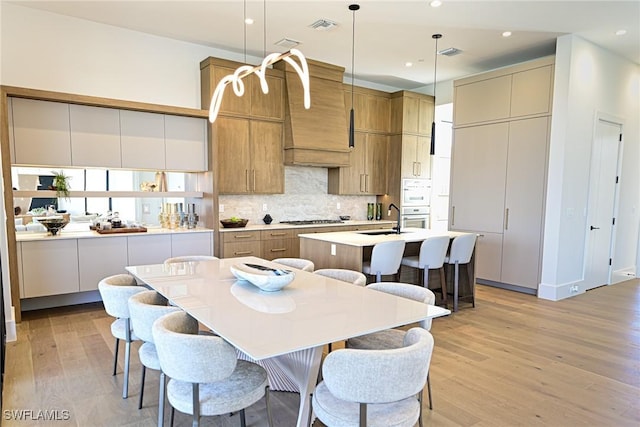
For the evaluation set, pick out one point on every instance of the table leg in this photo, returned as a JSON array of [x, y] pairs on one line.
[[302, 367]]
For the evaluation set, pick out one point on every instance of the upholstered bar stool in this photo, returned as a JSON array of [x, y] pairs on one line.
[[349, 276], [115, 292], [433, 250], [392, 338], [460, 253], [188, 258], [385, 259], [299, 263], [145, 308]]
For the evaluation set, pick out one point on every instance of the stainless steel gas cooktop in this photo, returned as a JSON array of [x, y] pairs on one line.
[[312, 221]]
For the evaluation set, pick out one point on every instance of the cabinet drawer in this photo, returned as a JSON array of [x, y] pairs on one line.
[[277, 234], [240, 236], [238, 249], [279, 248]]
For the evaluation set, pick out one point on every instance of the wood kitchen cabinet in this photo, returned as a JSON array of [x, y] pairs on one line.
[[240, 243], [280, 243], [95, 136], [412, 113], [416, 156], [41, 132], [367, 171], [372, 109], [250, 156]]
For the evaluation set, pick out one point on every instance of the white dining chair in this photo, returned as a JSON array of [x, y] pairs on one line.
[[385, 259], [299, 263], [460, 253], [349, 276], [145, 308], [392, 338], [115, 292], [206, 378], [188, 258], [433, 251], [375, 387]]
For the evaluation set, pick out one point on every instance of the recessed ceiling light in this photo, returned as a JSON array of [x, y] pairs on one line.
[[248, 21], [435, 3], [408, 64], [506, 34], [621, 32]]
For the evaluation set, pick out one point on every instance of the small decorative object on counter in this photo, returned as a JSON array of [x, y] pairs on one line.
[[267, 219], [116, 222], [370, 211], [234, 222], [378, 211], [192, 216], [161, 181]]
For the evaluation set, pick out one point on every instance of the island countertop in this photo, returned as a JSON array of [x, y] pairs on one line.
[[371, 237]]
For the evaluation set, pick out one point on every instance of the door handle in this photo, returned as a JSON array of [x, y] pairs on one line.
[[594, 228]]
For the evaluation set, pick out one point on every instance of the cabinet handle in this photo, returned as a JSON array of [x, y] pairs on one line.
[[254, 179], [243, 236], [366, 183], [278, 249], [277, 234], [506, 219], [419, 168], [243, 253], [414, 169], [246, 179], [361, 185], [480, 235], [453, 216]]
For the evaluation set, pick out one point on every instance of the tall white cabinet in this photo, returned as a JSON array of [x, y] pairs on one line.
[[498, 169]]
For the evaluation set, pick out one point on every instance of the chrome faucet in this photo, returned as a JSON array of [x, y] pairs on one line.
[[389, 214]]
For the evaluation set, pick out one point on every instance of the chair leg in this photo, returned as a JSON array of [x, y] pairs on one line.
[[196, 404], [420, 404], [443, 284], [429, 391], [173, 415], [472, 285], [144, 371], [161, 391], [125, 381], [310, 410], [266, 398], [425, 275], [455, 286], [330, 348], [363, 415], [378, 276], [115, 357], [243, 420]]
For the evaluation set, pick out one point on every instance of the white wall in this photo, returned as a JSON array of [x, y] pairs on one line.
[[588, 80]]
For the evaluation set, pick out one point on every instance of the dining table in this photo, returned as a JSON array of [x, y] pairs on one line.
[[289, 327]]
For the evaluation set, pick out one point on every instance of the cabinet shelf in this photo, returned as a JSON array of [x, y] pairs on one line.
[[141, 194]]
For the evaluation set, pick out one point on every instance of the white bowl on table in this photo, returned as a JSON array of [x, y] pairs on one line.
[[266, 278]]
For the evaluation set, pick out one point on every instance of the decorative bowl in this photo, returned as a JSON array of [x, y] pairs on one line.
[[229, 223], [345, 217], [266, 278], [53, 225]]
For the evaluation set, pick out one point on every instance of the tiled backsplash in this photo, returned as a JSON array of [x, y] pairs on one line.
[[305, 197]]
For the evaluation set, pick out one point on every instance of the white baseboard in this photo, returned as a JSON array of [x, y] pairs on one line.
[[10, 324], [559, 292], [623, 275]]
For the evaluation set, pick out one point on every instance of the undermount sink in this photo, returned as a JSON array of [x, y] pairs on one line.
[[381, 232]]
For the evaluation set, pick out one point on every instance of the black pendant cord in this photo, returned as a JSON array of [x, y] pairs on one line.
[[432, 149], [352, 142]]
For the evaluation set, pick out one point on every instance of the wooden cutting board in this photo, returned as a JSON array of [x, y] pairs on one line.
[[123, 230]]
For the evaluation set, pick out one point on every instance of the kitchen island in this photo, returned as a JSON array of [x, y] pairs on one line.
[[349, 249]]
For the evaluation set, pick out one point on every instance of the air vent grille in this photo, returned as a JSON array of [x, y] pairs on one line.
[[450, 51], [323, 25], [287, 43]]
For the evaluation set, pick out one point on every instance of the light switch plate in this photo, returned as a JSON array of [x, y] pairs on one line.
[[333, 249], [221, 208]]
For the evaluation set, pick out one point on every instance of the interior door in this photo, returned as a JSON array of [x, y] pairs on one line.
[[602, 200]]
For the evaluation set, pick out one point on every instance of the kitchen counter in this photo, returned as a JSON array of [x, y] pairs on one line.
[[281, 226], [84, 233], [368, 238]]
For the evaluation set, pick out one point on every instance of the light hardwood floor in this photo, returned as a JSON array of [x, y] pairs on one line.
[[513, 360]]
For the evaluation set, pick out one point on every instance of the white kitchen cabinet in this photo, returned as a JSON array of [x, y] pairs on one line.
[[19, 258], [482, 101], [478, 174], [41, 132], [99, 258], [191, 244], [12, 145], [185, 143], [531, 91], [148, 249], [49, 267], [488, 256], [524, 201], [95, 136], [142, 140]]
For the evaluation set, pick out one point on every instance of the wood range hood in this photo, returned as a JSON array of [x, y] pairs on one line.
[[317, 136]]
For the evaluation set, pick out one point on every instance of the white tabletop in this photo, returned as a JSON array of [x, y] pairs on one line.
[[311, 311]]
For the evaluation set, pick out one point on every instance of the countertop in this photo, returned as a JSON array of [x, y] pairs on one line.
[[361, 238], [83, 233], [278, 225]]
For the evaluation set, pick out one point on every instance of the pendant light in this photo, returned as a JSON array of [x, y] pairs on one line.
[[432, 151], [352, 141]]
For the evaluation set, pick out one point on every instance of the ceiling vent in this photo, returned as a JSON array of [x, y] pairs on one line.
[[450, 51], [323, 25], [287, 43]]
